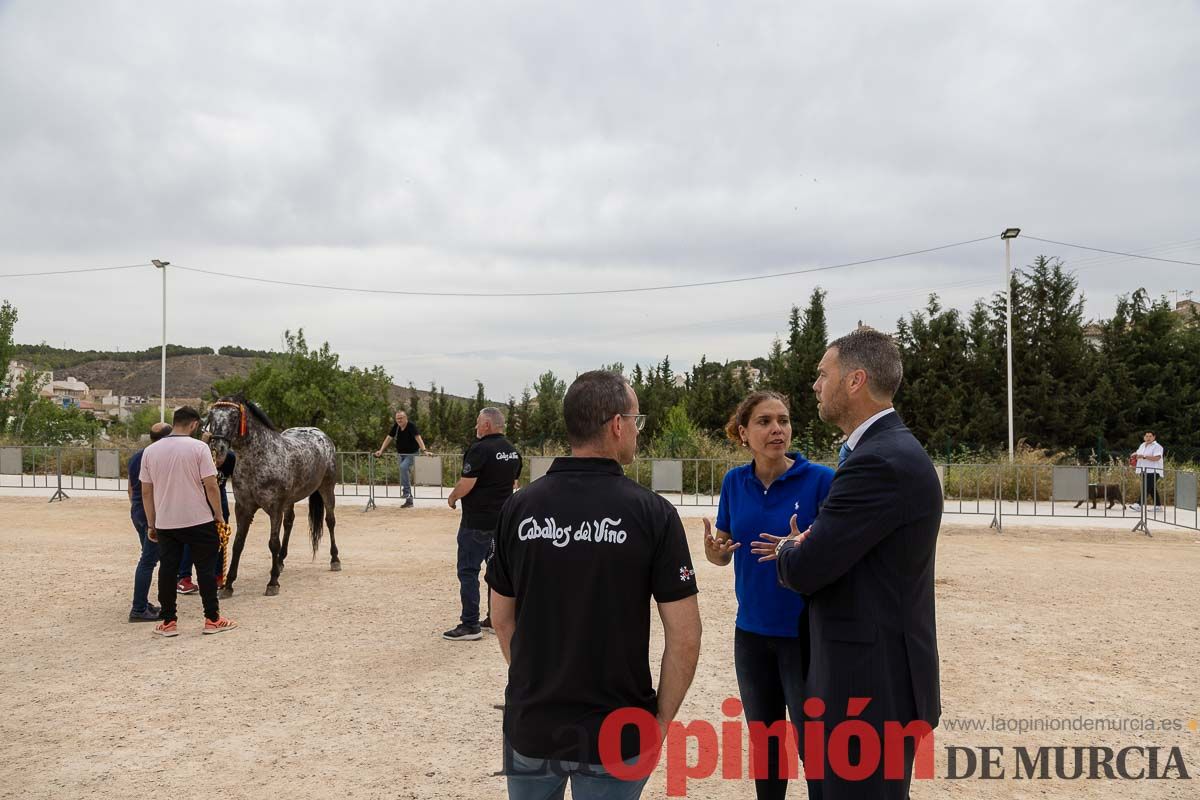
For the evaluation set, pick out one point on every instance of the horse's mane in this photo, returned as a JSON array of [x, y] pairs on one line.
[[255, 411]]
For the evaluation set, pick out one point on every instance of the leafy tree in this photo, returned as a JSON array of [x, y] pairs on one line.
[[50, 423], [414, 405], [775, 370], [8, 321], [546, 418], [1052, 364], [17, 400], [480, 400], [521, 419], [807, 340], [933, 347], [244, 352], [678, 436], [54, 358], [309, 387]]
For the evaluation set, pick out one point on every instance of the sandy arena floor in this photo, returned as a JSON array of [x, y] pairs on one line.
[[342, 687]]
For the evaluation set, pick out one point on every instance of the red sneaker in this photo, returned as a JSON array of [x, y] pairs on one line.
[[186, 586], [220, 624], [166, 629]]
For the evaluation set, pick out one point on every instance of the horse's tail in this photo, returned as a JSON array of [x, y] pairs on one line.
[[316, 518]]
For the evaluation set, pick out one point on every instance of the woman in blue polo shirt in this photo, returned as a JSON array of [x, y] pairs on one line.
[[759, 497]]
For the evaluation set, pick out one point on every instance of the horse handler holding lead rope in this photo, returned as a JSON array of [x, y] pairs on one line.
[[182, 502]]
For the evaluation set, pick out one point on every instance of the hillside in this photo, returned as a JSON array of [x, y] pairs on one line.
[[187, 376]]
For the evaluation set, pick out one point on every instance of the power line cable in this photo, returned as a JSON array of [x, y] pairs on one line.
[[1105, 260], [1115, 252], [665, 287], [73, 271], [705, 323]]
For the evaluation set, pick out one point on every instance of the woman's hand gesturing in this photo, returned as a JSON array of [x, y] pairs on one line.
[[718, 549]]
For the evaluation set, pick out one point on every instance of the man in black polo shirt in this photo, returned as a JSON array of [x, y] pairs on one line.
[[491, 467], [408, 444], [579, 555]]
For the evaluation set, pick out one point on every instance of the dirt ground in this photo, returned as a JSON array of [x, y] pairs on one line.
[[342, 687]]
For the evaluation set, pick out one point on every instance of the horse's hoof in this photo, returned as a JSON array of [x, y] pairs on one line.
[[335, 566], [272, 591], [227, 593]]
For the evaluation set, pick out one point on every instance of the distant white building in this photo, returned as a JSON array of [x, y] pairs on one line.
[[72, 388], [17, 371]]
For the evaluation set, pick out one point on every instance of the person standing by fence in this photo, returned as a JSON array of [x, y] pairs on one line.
[[179, 486], [1148, 462], [142, 609], [770, 650], [408, 443], [491, 467]]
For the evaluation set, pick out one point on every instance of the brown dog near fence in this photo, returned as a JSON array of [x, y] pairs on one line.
[[1111, 492]]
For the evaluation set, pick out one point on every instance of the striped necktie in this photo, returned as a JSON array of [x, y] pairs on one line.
[[843, 454]]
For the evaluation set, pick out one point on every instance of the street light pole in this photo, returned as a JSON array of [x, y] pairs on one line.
[[162, 389], [1008, 235]]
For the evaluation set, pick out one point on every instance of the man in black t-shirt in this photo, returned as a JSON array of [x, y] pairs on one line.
[[408, 444], [579, 555], [491, 467]]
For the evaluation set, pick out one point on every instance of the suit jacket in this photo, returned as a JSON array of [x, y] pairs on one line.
[[867, 569]]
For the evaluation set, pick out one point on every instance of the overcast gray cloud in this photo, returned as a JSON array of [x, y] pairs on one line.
[[541, 146]]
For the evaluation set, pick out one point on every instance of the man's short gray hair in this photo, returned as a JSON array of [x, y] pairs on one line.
[[494, 415], [877, 355]]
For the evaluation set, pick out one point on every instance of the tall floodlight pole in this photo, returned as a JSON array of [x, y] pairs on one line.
[[1008, 235], [162, 389]]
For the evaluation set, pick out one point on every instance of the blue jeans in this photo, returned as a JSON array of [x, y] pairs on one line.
[[539, 779], [474, 548], [770, 675], [406, 468], [144, 573]]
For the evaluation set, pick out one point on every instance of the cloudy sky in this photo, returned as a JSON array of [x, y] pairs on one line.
[[547, 147]]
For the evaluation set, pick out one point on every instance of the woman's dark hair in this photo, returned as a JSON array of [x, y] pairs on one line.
[[741, 415]]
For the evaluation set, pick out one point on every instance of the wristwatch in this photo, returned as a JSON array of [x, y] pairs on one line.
[[779, 547]]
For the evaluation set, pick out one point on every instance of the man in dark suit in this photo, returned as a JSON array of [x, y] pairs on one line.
[[866, 566]]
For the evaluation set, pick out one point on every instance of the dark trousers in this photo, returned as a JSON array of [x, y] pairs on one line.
[[185, 564], [474, 548], [1150, 488], [185, 561], [770, 675], [204, 544], [144, 573]]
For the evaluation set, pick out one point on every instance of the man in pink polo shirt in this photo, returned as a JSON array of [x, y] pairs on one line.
[[180, 495]]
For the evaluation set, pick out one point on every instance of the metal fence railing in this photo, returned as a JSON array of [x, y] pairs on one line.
[[998, 491]]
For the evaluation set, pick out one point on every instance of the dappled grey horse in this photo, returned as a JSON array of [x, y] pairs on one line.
[[274, 470]]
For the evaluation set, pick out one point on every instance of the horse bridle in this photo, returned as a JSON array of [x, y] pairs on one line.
[[241, 413]]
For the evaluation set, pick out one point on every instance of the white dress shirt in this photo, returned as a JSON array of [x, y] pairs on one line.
[[852, 442], [1150, 449]]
